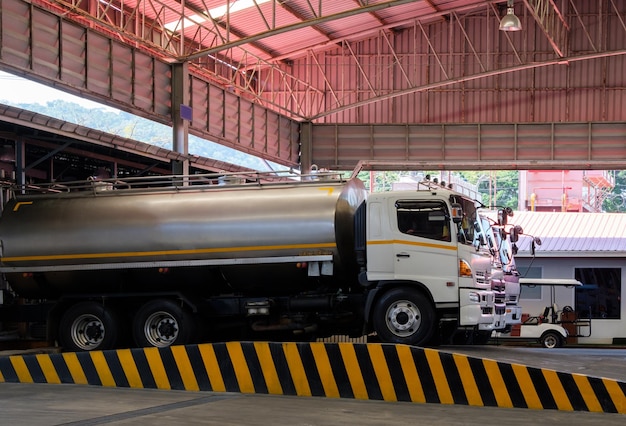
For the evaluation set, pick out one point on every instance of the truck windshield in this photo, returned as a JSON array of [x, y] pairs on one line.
[[484, 234]]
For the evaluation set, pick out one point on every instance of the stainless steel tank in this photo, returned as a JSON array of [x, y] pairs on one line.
[[63, 238]]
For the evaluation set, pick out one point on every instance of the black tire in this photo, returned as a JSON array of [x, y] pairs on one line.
[[161, 323], [404, 315], [88, 326], [551, 339], [463, 337], [482, 337]]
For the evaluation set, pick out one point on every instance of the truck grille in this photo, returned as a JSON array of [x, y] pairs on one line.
[[482, 277]]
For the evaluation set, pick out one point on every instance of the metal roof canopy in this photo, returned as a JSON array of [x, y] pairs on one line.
[[261, 69]]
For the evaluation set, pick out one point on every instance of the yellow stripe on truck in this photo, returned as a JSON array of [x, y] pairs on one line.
[[77, 256], [413, 243]]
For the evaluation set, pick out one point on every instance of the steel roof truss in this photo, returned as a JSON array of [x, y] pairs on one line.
[[432, 49], [322, 73], [49, 155], [395, 56], [619, 16], [583, 26], [552, 22], [508, 37], [468, 40], [302, 24], [357, 62]]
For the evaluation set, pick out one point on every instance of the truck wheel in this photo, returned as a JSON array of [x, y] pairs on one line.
[[405, 316], [482, 337], [162, 323], [88, 326], [551, 339]]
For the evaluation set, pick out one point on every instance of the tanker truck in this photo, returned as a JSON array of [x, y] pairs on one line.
[[179, 259]]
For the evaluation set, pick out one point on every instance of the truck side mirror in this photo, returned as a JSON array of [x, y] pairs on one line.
[[533, 245], [457, 213], [503, 215], [515, 233]]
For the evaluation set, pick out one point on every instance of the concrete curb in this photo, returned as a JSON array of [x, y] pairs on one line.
[[333, 370]]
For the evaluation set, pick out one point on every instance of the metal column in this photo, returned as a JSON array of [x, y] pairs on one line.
[[181, 115]]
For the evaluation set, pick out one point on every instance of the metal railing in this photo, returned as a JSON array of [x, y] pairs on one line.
[[98, 186]]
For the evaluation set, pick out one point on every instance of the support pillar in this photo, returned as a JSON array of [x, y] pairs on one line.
[[20, 163], [306, 144], [181, 115]]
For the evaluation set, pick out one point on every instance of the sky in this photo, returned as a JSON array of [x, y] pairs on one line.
[[14, 89]]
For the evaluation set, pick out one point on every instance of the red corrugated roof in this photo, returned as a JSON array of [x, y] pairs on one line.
[[352, 22]]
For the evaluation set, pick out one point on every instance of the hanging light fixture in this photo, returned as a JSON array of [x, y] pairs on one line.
[[510, 22]]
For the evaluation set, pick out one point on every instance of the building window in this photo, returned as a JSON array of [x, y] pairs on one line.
[[600, 294], [532, 292]]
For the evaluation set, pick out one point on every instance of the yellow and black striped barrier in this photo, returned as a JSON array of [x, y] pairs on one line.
[[334, 370]]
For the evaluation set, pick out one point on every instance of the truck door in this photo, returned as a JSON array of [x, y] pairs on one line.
[[424, 248]]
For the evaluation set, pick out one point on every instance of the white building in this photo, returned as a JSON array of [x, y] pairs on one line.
[[590, 247]]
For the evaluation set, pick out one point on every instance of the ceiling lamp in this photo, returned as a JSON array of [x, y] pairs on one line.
[[510, 22]]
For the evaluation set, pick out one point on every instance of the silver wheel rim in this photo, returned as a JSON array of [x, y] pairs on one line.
[[87, 332], [403, 318], [550, 342], [161, 329]]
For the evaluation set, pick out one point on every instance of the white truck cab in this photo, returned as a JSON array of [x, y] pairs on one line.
[[499, 240], [424, 239]]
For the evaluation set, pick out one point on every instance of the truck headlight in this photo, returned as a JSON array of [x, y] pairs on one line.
[[474, 297], [465, 270]]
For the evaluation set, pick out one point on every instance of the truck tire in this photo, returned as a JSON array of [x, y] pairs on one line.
[[162, 323], [88, 326], [551, 339], [482, 337], [404, 315]]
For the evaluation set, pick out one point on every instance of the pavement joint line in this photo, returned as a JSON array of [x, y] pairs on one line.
[[151, 410]]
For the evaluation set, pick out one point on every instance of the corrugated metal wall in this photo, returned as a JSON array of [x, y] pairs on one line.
[[453, 72], [473, 146], [434, 85], [449, 74]]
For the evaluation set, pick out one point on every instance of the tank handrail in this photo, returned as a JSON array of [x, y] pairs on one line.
[[53, 188], [177, 182]]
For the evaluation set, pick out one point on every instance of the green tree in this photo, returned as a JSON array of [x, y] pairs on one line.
[[498, 188], [616, 201]]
